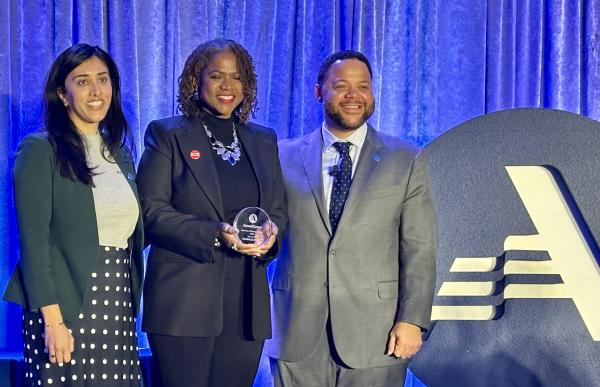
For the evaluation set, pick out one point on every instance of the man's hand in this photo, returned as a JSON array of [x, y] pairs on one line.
[[404, 341]]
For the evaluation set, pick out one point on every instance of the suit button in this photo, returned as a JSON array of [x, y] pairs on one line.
[[326, 284], [333, 253]]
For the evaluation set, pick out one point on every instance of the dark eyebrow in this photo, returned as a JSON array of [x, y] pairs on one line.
[[364, 82], [222, 72], [87, 75]]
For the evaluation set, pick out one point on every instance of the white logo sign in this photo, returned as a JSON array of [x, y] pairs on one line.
[[559, 234], [253, 218]]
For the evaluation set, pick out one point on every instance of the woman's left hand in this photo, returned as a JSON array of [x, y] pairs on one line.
[[228, 234], [265, 247]]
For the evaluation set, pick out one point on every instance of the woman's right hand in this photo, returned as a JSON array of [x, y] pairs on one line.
[[58, 339], [228, 234], [59, 343]]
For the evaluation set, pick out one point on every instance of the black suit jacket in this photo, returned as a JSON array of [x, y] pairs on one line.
[[182, 205]]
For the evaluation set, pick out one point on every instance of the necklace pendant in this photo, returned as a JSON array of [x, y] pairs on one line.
[[230, 153]]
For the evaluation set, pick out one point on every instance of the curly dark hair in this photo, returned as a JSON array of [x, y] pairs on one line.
[[191, 76]]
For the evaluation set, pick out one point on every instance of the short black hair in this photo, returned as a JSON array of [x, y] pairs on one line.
[[341, 55]]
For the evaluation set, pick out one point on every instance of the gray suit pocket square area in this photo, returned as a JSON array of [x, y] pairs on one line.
[[385, 192], [387, 289]]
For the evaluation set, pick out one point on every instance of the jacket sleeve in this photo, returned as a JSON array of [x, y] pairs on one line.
[[32, 182], [278, 212], [418, 247], [164, 225]]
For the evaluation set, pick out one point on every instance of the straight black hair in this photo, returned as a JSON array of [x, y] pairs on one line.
[[68, 145]]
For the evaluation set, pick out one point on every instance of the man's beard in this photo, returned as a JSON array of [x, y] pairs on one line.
[[342, 123]]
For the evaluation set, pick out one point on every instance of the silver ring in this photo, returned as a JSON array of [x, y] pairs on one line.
[[234, 247]]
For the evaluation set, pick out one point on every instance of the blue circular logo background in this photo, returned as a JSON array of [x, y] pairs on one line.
[[518, 191]]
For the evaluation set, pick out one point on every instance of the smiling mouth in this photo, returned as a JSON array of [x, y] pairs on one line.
[[95, 104], [351, 106], [225, 98]]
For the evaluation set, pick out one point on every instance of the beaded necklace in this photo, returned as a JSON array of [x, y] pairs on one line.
[[230, 153]]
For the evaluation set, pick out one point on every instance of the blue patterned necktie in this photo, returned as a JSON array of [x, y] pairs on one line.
[[341, 184]]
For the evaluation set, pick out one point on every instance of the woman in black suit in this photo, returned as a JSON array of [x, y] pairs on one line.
[[206, 298]]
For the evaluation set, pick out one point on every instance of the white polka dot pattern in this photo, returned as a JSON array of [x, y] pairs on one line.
[[110, 312]]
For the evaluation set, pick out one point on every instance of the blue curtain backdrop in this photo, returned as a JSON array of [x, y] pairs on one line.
[[436, 64]]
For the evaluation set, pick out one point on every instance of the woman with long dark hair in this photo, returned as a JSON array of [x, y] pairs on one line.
[[206, 299], [80, 231]]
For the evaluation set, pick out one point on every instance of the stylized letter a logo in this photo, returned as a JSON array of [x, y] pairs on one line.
[[565, 239]]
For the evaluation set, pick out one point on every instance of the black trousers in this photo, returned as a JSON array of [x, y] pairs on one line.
[[223, 361]]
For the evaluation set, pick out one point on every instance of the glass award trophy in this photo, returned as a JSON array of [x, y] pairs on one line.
[[254, 226]]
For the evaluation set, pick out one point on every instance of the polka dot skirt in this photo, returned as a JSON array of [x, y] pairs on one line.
[[105, 337]]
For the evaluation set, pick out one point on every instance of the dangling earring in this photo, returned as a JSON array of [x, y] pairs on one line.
[[63, 100], [60, 94]]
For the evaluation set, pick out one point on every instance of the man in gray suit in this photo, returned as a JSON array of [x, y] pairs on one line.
[[353, 294]]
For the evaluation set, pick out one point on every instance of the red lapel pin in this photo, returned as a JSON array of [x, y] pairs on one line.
[[195, 154]]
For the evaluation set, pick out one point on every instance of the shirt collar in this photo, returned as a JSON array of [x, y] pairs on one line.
[[357, 137]]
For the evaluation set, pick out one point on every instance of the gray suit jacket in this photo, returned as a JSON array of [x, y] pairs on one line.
[[377, 270]]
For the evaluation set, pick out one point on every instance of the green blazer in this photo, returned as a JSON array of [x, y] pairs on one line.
[[58, 233]]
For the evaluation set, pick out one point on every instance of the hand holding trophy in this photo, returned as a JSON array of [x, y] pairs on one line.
[[254, 226], [253, 233]]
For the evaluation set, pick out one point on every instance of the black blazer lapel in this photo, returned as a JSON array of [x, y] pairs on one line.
[[125, 163], [203, 168]]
